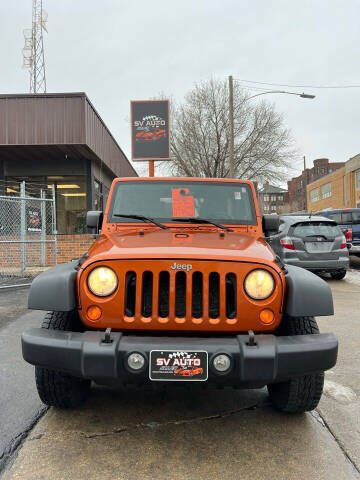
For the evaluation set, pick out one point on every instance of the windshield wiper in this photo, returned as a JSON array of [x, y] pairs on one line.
[[141, 217], [201, 220]]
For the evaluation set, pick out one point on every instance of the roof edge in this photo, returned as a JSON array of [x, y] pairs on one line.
[[70, 95], [325, 176], [39, 95], [111, 135]]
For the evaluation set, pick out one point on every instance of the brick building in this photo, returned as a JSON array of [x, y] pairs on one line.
[[339, 189], [273, 199], [297, 186]]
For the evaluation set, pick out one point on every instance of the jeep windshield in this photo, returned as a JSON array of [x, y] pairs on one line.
[[167, 201]]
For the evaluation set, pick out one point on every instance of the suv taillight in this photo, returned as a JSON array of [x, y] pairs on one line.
[[343, 242], [287, 243], [348, 235]]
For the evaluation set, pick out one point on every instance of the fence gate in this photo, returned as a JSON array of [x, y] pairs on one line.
[[27, 232]]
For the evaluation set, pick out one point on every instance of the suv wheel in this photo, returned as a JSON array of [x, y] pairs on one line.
[[58, 389], [300, 394], [338, 275]]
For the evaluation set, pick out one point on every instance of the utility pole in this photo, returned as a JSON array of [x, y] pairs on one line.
[[231, 127], [33, 51]]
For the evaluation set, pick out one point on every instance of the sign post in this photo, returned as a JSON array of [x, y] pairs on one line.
[[150, 134], [151, 168]]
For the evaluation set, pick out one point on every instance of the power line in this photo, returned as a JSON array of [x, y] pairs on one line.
[[256, 89], [297, 86]]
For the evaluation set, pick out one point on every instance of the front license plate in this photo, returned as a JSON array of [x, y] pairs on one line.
[[178, 365]]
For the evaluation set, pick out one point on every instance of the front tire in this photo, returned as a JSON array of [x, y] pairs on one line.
[[299, 394], [338, 275], [58, 389]]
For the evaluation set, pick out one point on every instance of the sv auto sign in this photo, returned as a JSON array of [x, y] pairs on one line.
[[150, 130]]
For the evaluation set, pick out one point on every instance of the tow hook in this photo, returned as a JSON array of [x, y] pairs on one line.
[[107, 337], [251, 342]]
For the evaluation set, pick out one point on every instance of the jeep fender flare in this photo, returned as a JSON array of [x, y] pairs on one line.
[[307, 295], [55, 289]]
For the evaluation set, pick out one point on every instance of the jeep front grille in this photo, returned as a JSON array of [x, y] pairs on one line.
[[180, 296], [156, 294]]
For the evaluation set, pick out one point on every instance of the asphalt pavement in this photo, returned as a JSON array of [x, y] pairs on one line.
[[185, 434], [20, 406]]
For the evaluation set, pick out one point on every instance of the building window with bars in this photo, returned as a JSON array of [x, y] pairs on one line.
[[326, 190], [314, 195], [357, 179]]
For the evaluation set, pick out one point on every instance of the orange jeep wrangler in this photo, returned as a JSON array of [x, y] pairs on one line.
[[181, 278]]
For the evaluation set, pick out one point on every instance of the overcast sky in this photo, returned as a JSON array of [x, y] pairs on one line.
[[117, 51]]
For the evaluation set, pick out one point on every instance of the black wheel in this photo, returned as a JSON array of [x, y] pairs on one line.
[[59, 389], [299, 394], [338, 275]]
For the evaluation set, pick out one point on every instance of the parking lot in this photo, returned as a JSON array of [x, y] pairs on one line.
[[179, 433]]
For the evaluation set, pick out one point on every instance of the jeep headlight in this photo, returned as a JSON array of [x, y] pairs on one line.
[[259, 284], [102, 281]]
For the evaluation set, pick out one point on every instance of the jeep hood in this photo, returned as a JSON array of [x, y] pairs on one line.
[[205, 244]]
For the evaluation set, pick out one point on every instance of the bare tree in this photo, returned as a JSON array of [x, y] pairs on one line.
[[263, 149]]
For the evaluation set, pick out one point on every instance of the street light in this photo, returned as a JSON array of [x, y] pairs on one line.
[[231, 115], [302, 95]]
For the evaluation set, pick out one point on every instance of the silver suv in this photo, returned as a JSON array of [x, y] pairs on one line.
[[314, 243]]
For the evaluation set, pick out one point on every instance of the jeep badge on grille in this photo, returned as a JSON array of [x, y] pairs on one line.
[[181, 266]]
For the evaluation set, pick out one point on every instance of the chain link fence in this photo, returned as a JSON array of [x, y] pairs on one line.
[[28, 242]]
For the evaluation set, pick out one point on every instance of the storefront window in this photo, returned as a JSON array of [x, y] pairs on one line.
[[98, 201], [70, 204], [106, 192], [70, 192]]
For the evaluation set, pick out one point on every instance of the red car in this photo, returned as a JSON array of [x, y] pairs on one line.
[[159, 132], [188, 372], [155, 134]]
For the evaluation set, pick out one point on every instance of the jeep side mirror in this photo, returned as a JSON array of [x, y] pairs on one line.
[[270, 224], [94, 219]]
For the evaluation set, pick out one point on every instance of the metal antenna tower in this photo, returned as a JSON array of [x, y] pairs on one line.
[[33, 51]]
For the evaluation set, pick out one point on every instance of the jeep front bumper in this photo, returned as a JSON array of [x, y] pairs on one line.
[[271, 359]]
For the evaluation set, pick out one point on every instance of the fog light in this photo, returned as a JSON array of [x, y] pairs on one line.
[[94, 313], [136, 361], [221, 363], [267, 316]]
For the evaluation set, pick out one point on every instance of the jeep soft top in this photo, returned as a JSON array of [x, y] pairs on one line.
[[181, 277]]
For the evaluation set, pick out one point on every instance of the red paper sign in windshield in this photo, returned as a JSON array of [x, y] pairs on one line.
[[182, 203]]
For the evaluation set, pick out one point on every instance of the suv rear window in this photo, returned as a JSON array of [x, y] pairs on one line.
[[336, 217], [345, 218], [356, 217], [306, 229]]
